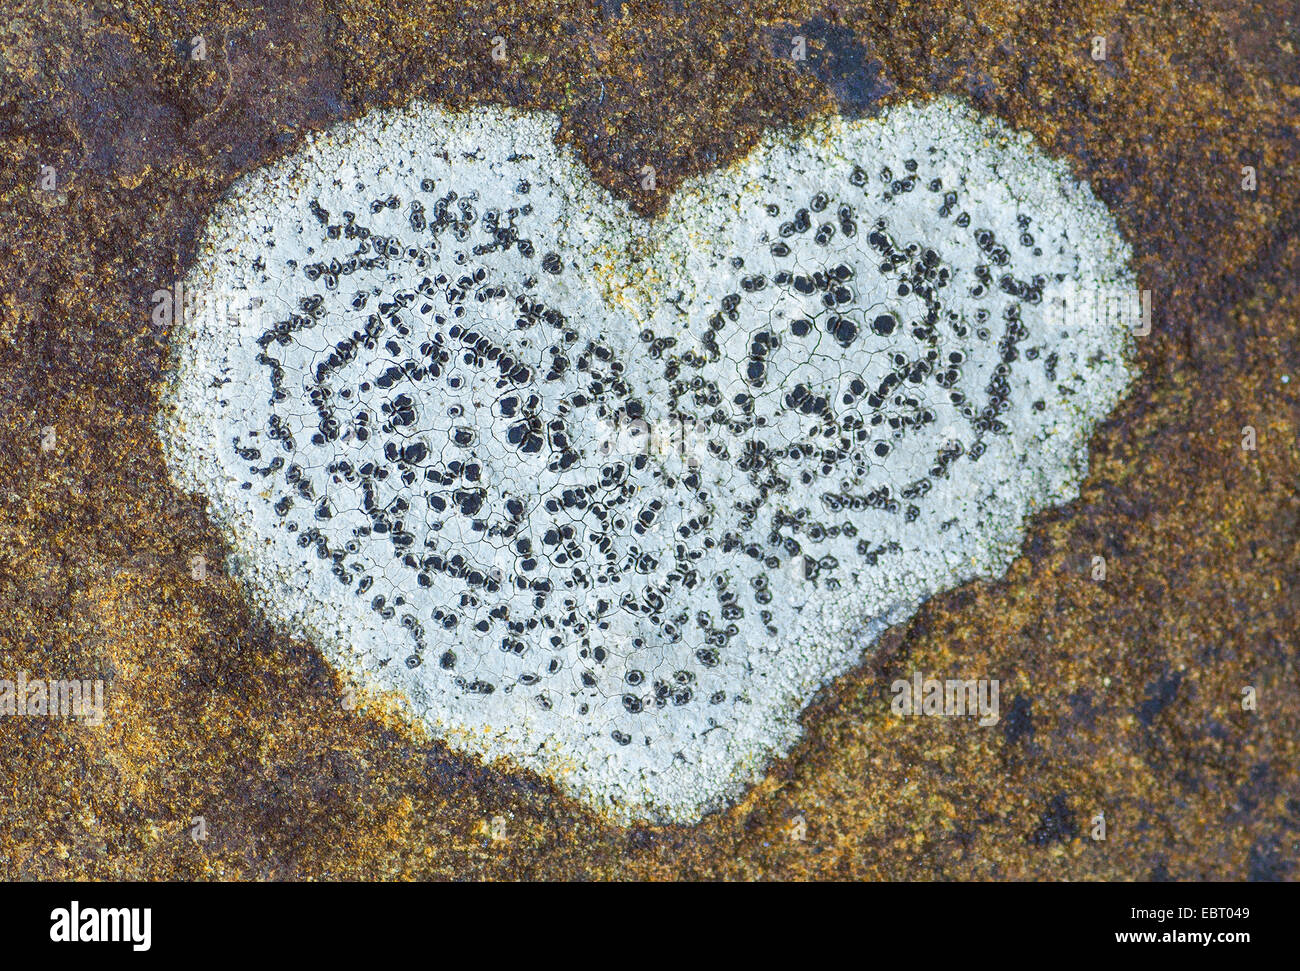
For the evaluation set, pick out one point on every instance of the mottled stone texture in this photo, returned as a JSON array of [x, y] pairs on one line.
[[1119, 696]]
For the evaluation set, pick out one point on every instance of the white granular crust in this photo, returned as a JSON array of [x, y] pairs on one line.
[[611, 499]]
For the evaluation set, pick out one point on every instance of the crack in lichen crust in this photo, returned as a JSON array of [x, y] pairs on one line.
[[611, 499]]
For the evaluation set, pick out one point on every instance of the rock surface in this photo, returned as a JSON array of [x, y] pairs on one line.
[[1120, 696]]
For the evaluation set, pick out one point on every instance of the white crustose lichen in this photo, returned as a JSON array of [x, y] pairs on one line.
[[609, 498]]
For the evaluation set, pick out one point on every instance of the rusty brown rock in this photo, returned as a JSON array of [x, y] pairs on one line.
[[1120, 697]]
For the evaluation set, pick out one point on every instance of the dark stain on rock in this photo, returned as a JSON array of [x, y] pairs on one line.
[[1267, 862], [1018, 723], [1159, 695], [839, 59], [1056, 823]]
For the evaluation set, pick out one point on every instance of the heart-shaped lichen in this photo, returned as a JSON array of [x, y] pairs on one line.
[[609, 498]]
